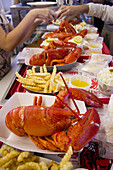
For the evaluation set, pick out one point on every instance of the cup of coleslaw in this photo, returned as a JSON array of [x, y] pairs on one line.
[[105, 81]]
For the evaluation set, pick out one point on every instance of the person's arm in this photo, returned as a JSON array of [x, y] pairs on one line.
[[31, 30], [105, 12], [72, 11], [9, 41], [10, 27]]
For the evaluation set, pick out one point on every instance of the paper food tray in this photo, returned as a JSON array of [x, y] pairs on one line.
[[100, 58], [25, 99], [96, 63], [21, 56]]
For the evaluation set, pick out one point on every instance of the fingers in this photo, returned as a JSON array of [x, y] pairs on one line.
[[63, 13], [62, 7], [47, 15], [65, 10], [53, 14], [69, 18]]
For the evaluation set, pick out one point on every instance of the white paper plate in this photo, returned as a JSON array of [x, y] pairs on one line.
[[25, 99], [33, 51], [44, 35], [41, 4], [52, 27]]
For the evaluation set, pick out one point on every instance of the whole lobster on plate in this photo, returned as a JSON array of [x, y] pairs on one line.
[[59, 56], [52, 127]]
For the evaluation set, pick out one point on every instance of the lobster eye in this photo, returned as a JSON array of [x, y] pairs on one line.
[[72, 117]]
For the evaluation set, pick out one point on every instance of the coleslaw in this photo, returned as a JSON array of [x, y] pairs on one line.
[[106, 75]]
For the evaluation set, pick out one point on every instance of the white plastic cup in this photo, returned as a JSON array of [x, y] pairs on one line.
[[82, 78], [95, 48]]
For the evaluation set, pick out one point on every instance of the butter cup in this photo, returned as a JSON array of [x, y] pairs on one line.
[[95, 48], [81, 78]]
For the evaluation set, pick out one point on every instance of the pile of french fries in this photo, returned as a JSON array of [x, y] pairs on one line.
[[42, 81], [12, 159]]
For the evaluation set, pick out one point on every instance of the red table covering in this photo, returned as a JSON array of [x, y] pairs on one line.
[[89, 157]]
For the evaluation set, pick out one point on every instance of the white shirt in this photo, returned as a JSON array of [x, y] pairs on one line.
[[105, 12]]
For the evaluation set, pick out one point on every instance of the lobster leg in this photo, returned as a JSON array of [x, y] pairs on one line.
[[36, 141], [37, 103], [42, 143]]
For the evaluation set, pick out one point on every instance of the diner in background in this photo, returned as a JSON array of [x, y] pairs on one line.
[[12, 37]]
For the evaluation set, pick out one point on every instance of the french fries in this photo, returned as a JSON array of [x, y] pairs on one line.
[[12, 159], [43, 81]]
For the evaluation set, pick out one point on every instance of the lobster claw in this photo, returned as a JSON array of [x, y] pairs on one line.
[[89, 98], [86, 129], [46, 56], [73, 55], [70, 58], [14, 121], [65, 25], [80, 94], [53, 54], [83, 33], [80, 134], [38, 59]]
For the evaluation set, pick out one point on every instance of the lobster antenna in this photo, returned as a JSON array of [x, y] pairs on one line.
[[67, 106], [70, 93]]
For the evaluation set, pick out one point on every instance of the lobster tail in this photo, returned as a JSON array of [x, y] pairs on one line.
[[14, 121]]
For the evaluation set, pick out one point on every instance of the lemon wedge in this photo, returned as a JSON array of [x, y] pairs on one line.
[[51, 39], [78, 39], [83, 24]]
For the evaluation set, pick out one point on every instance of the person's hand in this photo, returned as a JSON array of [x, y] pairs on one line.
[[45, 14], [71, 11]]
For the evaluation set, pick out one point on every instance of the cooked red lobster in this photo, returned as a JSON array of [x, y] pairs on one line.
[[59, 44], [52, 127], [65, 32], [56, 56]]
